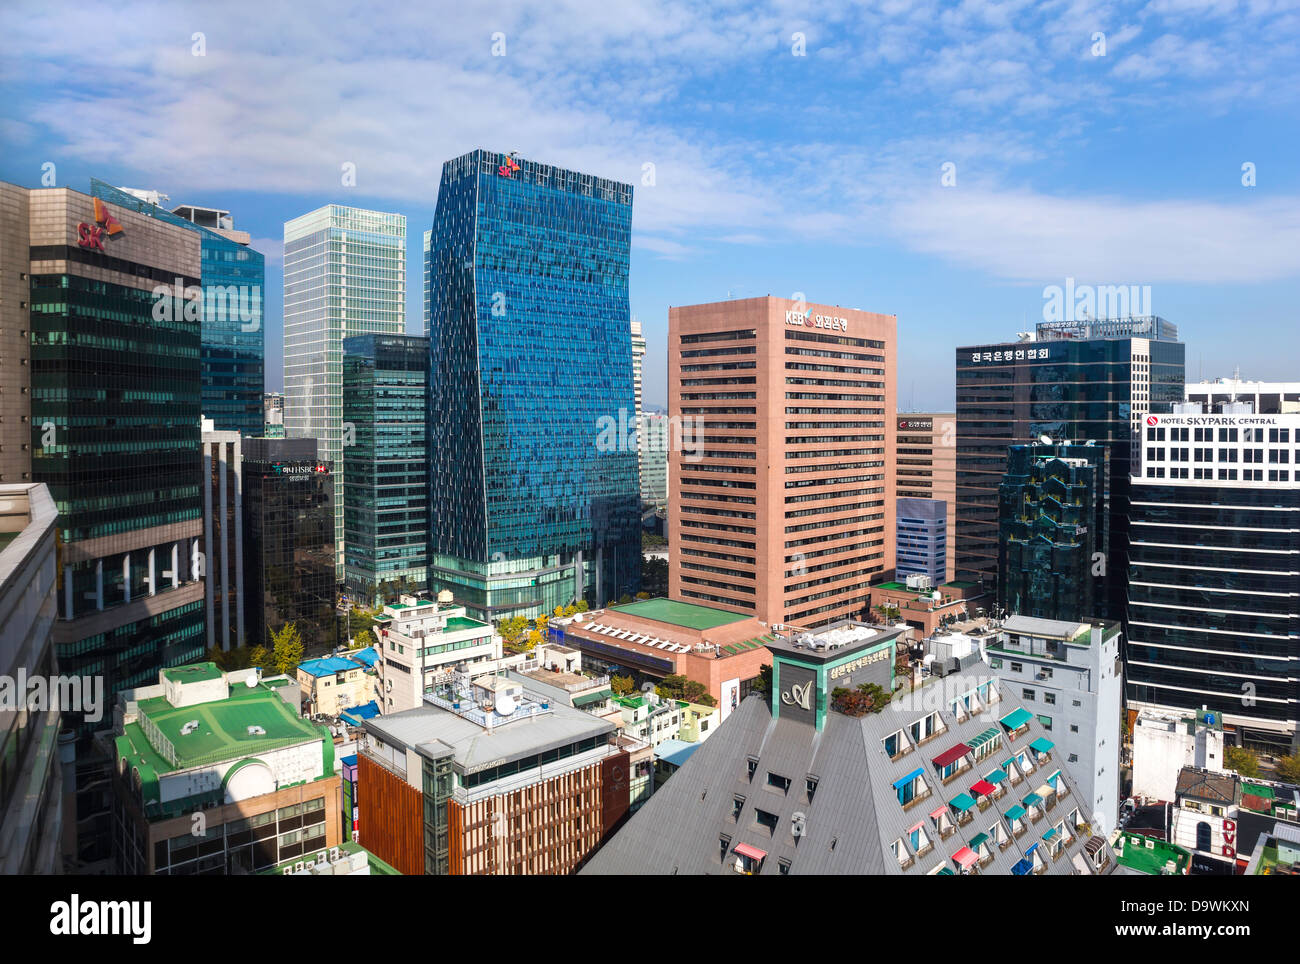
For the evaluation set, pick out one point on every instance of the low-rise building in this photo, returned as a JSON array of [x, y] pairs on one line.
[[827, 778], [1069, 674], [420, 641], [1204, 815], [485, 777], [655, 638], [332, 684], [218, 773], [1165, 741], [1276, 853], [348, 859], [920, 604], [1148, 855]]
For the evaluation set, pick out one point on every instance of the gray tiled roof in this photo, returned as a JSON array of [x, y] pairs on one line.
[[854, 815]]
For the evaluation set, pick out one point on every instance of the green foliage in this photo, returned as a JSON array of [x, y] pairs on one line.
[[363, 639], [260, 657], [1288, 768], [1244, 761], [764, 683], [651, 540], [286, 648], [654, 576], [582, 606], [621, 685], [866, 698]]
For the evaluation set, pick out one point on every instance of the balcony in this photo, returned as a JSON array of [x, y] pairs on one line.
[[915, 800]]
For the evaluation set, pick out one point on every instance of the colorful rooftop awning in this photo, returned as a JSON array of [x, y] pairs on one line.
[[946, 872], [965, 858], [1022, 867], [951, 755], [1053, 778], [1032, 800], [979, 840], [983, 737], [753, 853], [962, 802], [939, 811], [1042, 745], [982, 787], [1050, 834], [997, 776], [1016, 719], [904, 781], [1015, 812]]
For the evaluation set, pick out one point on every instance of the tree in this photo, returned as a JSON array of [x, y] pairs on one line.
[[643, 595], [363, 639], [1288, 768], [764, 682], [541, 622], [534, 640], [286, 649], [512, 630], [622, 685], [1244, 761], [582, 606], [866, 698], [260, 657]]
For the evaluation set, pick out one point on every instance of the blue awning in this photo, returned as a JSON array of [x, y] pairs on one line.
[[1022, 867], [904, 781]]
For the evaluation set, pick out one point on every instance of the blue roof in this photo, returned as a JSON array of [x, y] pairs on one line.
[[367, 656], [349, 761], [355, 714], [675, 752], [328, 666]]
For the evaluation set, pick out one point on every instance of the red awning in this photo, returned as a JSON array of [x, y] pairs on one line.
[[753, 853], [965, 857], [982, 787], [948, 756]]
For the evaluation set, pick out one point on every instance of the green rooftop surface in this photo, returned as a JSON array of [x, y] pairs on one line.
[[685, 615], [196, 673], [455, 623], [890, 585], [222, 733], [1137, 857]]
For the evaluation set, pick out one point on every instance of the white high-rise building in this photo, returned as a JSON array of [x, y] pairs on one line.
[[344, 275]]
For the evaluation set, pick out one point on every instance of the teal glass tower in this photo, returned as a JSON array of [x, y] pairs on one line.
[[232, 360], [533, 464], [385, 465]]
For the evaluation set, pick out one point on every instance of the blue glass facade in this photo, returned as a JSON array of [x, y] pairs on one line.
[[385, 464], [921, 545], [232, 357], [530, 350]]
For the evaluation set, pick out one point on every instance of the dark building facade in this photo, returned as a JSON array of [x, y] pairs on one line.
[[1212, 575], [1053, 522], [114, 431], [232, 359], [289, 542], [385, 463], [1093, 380], [531, 504]]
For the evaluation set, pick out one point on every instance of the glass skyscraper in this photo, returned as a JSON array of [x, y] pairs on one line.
[[233, 276], [288, 539], [1053, 517], [1073, 380], [344, 275], [533, 465], [386, 468]]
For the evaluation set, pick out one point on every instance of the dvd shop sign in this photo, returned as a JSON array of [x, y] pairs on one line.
[[806, 319]]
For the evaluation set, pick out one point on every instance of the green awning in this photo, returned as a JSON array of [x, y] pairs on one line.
[[978, 840], [586, 699], [996, 777], [1016, 719], [1015, 812], [983, 738], [962, 802], [1032, 800], [1042, 745], [1050, 834], [946, 872]]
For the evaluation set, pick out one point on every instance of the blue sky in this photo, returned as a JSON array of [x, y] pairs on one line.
[[780, 164]]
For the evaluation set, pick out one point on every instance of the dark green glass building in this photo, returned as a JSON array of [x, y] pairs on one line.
[[1084, 380], [385, 464], [1053, 531], [115, 405]]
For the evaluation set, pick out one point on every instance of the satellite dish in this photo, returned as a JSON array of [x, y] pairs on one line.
[[1045, 439], [251, 682], [936, 595], [505, 704]]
